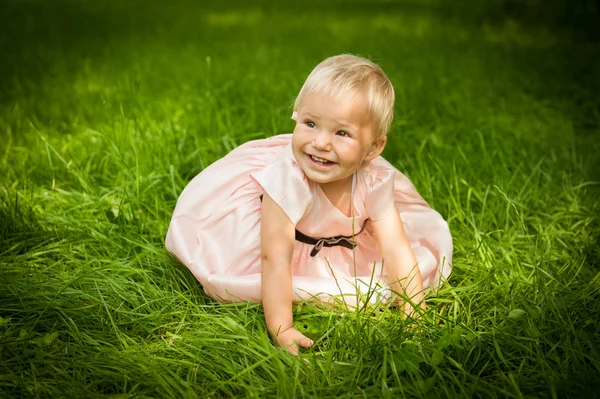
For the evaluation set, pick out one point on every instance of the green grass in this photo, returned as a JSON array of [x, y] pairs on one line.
[[108, 109]]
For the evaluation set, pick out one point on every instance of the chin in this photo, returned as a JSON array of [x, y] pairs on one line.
[[325, 180], [318, 179]]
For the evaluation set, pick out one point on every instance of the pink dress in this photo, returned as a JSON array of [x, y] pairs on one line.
[[215, 230]]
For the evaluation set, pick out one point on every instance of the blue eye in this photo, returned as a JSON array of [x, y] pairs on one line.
[[343, 133]]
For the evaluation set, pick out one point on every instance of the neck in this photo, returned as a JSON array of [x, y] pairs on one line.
[[339, 193]]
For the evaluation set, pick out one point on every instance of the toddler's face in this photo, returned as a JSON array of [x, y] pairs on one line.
[[332, 137]]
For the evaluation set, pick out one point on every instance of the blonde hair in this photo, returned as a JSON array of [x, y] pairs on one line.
[[346, 75]]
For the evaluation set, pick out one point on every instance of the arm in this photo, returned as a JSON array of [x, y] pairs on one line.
[[399, 261], [277, 236]]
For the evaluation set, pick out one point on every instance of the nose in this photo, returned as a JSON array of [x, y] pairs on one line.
[[322, 141]]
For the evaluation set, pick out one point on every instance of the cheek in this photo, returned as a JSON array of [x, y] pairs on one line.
[[298, 139], [301, 135], [350, 153], [294, 140]]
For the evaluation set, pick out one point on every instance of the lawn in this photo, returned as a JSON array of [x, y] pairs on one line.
[[108, 109]]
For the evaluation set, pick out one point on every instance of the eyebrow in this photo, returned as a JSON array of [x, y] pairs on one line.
[[348, 124]]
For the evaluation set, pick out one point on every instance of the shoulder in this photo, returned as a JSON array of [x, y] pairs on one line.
[[382, 179], [377, 172], [377, 181]]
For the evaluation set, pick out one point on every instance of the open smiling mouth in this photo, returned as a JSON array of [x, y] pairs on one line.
[[320, 161]]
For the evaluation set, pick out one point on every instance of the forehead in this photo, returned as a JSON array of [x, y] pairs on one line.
[[350, 108]]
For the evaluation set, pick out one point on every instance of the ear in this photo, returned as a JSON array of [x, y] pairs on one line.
[[376, 148], [295, 116]]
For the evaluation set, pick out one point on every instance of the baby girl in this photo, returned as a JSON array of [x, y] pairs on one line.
[[314, 215]]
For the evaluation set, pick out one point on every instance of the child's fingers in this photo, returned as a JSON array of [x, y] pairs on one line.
[[306, 342], [291, 339], [290, 345], [302, 339], [293, 349]]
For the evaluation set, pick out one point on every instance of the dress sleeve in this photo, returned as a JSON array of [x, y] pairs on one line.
[[286, 184], [380, 190]]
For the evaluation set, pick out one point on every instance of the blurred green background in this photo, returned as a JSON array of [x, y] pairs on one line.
[[109, 108]]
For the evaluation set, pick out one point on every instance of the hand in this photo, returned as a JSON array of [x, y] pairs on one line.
[[290, 339]]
